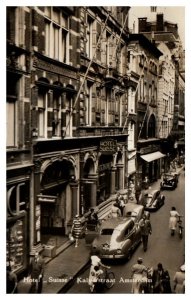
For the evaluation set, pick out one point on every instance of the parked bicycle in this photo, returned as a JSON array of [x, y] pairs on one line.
[[180, 227]]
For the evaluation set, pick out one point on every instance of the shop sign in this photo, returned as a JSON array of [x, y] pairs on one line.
[[47, 198], [108, 146], [14, 208]]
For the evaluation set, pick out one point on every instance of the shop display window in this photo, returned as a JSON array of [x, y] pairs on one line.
[[15, 245]]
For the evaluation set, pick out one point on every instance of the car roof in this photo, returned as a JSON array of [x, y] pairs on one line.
[[115, 223], [150, 191], [133, 207]]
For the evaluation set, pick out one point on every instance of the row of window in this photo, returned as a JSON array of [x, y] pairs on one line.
[[147, 93], [106, 108]]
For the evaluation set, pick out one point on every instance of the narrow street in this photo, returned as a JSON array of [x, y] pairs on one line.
[[162, 246]]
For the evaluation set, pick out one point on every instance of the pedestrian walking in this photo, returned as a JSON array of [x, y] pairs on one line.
[[131, 191], [11, 287], [115, 211], [93, 217], [138, 192], [146, 229], [76, 229], [166, 283], [161, 280], [37, 272], [179, 281], [173, 220], [146, 183], [138, 274], [121, 204]]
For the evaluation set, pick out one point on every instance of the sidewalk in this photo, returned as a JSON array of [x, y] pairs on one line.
[[64, 268]]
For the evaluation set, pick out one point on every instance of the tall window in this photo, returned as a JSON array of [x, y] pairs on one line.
[[11, 111], [153, 8], [89, 37], [42, 118], [108, 49], [11, 123], [15, 25], [89, 103], [56, 126], [151, 127], [69, 115], [56, 34]]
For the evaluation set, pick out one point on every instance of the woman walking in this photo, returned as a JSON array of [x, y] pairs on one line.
[[173, 220], [76, 229], [179, 281]]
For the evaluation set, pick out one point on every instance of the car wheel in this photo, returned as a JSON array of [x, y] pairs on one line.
[[129, 254], [111, 279]]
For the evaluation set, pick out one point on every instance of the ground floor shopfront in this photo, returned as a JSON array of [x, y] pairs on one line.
[[18, 217], [72, 180], [150, 161]]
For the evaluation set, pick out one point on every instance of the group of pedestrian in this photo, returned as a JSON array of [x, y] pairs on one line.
[[159, 280], [117, 207]]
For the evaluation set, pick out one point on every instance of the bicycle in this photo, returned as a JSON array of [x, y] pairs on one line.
[[180, 227], [144, 282], [106, 280]]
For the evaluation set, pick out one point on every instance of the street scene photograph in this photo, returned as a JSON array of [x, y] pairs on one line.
[[95, 149]]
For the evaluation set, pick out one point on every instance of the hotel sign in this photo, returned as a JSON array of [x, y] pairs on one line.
[[108, 146]]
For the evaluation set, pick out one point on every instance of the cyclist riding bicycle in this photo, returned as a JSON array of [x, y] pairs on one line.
[[95, 270]]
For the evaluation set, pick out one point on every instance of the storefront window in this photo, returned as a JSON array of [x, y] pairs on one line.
[[15, 245]]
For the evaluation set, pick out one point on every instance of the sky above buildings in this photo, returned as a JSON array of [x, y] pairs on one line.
[[174, 14]]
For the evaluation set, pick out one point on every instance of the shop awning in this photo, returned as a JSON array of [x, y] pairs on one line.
[[152, 156]]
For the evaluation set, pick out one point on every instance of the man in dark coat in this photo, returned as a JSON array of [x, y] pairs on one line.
[[146, 229], [37, 273], [161, 280]]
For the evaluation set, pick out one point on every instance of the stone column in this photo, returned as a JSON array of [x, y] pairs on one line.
[[35, 234], [121, 177], [113, 174], [93, 178], [74, 198]]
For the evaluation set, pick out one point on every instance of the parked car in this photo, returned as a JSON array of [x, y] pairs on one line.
[[152, 199], [170, 181], [118, 237], [134, 211]]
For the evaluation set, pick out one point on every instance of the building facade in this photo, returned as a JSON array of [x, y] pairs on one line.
[[146, 66], [164, 33], [70, 90], [84, 117], [19, 153]]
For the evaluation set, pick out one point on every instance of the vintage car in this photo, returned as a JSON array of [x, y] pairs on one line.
[[134, 211], [152, 199], [170, 181], [118, 237]]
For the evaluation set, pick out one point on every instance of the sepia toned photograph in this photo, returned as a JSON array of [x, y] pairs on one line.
[[95, 149]]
